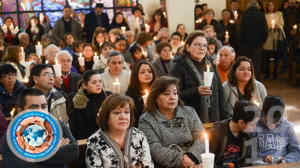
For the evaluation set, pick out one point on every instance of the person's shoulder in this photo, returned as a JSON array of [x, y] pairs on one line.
[[226, 84], [220, 127], [95, 137], [75, 75], [259, 84], [147, 116]]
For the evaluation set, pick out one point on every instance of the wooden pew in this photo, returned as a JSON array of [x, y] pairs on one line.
[[80, 162]]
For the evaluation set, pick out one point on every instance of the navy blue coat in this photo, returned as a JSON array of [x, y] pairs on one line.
[[7, 100]]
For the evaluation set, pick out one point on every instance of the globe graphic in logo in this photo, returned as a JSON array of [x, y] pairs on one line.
[[34, 135]]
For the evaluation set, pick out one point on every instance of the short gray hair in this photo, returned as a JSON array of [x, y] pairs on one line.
[[22, 34], [252, 3], [51, 46], [229, 48], [114, 53], [63, 52]]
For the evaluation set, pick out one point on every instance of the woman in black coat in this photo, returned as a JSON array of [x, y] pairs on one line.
[[142, 77], [189, 68], [87, 103]]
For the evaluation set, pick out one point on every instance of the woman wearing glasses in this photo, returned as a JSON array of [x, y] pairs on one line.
[[87, 103], [189, 68]]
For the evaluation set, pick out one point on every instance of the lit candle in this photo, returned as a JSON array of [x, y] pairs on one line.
[[22, 54], [145, 97], [273, 24], [226, 36], [256, 103], [231, 21], [138, 23], [154, 38], [4, 28], [39, 49], [123, 28], [182, 43], [165, 14], [12, 112], [236, 15], [96, 58], [57, 69], [208, 76], [147, 28], [206, 143], [81, 60], [295, 27], [100, 44], [116, 85], [199, 20]]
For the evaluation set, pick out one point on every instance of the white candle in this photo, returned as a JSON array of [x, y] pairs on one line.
[[117, 85], [100, 44], [145, 97], [206, 143], [22, 54], [57, 69], [208, 76], [96, 58], [231, 21], [165, 14], [147, 28], [154, 38], [4, 28], [273, 24], [182, 43], [295, 27], [199, 20], [81, 60], [138, 23], [123, 28], [256, 103], [226, 36], [236, 15], [39, 49], [12, 112]]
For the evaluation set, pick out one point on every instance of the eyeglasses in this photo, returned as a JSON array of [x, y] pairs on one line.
[[9, 75], [48, 75], [66, 61], [200, 45]]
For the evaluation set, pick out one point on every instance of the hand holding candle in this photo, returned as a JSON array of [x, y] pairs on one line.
[[226, 36], [207, 158], [273, 24], [57, 69], [123, 28], [81, 60], [96, 58], [147, 28], [236, 15], [117, 86]]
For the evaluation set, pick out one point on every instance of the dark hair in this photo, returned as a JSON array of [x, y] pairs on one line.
[[134, 83], [208, 11], [190, 39], [106, 44], [176, 34], [273, 101], [110, 103], [162, 18], [135, 9], [157, 88], [212, 41], [28, 92], [9, 17], [6, 69], [67, 6], [36, 71], [29, 22], [65, 38], [275, 6], [134, 48], [124, 22], [120, 37], [95, 44], [88, 74], [245, 110], [161, 46], [76, 44], [88, 45], [232, 78], [225, 10], [143, 37], [99, 5]]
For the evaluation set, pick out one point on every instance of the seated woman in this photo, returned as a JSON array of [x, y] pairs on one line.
[[88, 54], [105, 49], [164, 64], [117, 143], [167, 124], [87, 103], [142, 76], [241, 85]]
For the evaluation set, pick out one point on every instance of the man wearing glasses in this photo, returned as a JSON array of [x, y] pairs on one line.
[[10, 88], [42, 78], [276, 138]]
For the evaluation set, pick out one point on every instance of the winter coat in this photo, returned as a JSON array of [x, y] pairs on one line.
[[158, 66]]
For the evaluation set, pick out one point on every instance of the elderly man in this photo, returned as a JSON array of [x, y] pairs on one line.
[[69, 79], [115, 62], [66, 25], [25, 43], [68, 152], [227, 56], [42, 77], [95, 19], [51, 51]]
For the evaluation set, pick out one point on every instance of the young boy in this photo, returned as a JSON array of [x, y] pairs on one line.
[[228, 137], [276, 138]]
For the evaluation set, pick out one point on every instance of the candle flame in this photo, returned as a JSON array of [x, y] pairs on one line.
[[207, 67], [38, 43], [256, 103], [295, 26], [182, 43], [205, 135], [231, 21], [226, 33], [146, 91], [96, 54], [80, 54], [117, 80]]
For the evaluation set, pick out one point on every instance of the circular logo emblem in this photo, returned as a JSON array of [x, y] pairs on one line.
[[34, 136]]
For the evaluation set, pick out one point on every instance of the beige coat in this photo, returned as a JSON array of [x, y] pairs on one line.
[[273, 34]]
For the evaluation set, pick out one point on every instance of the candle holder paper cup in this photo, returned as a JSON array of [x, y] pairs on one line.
[[34, 136], [208, 77], [208, 160]]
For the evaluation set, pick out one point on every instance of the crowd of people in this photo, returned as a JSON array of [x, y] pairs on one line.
[[139, 94]]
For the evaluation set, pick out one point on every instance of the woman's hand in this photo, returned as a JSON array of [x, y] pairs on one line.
[[204, 91], [187, 162]]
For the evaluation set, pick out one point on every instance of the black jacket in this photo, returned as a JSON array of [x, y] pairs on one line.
[[86, 107], [73, 85], [188, 86], [252, 29], [90, 24], [218, 29], [138, 105]]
